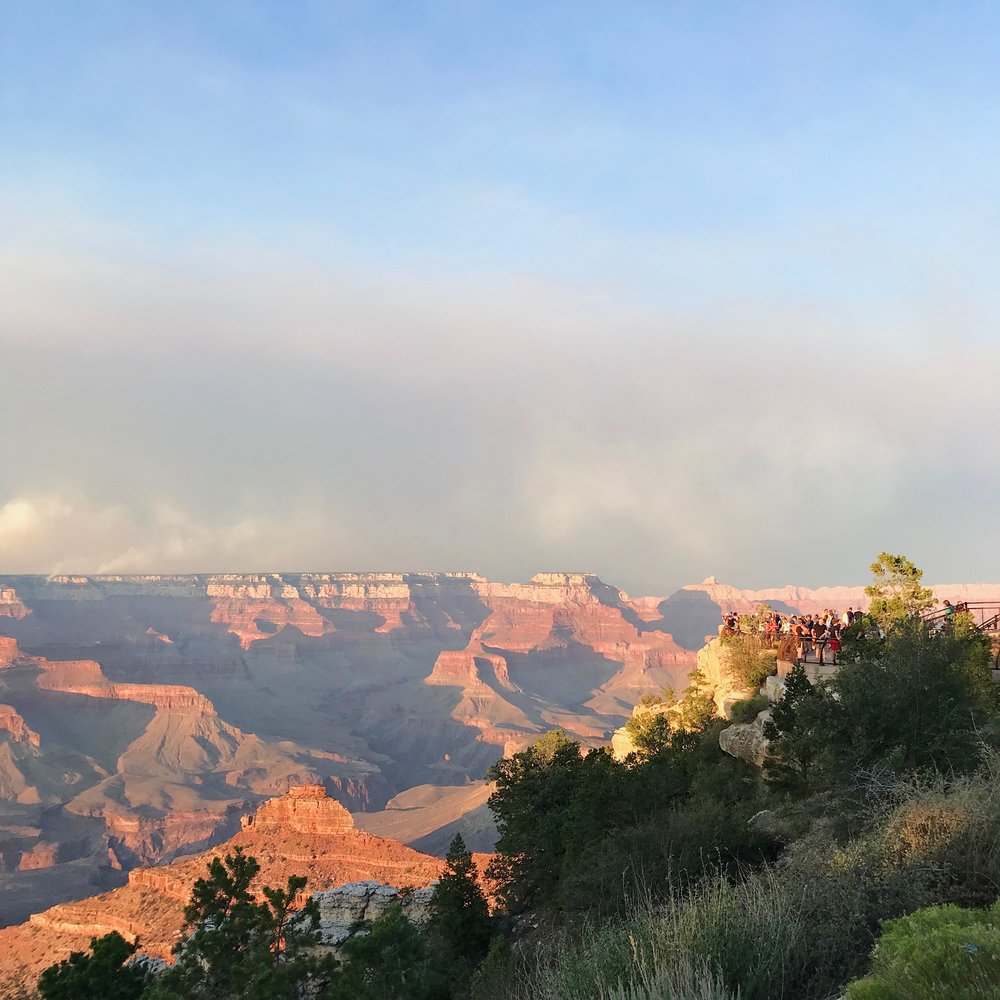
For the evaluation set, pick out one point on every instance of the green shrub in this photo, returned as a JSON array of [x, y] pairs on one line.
[[800, 929], [748, 709], [749, 659], [942, 951], [665, 697]]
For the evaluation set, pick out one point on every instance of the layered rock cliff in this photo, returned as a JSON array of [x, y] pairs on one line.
[[319, 842], [305, 809], [343, 908], [15, 726], [148, 714]]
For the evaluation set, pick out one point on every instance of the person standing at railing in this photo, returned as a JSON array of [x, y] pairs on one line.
[[835, 644], [818, 640], [799, 631]]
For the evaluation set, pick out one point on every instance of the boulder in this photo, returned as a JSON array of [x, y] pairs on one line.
[[342, 909], [745, 741], [773, 689]]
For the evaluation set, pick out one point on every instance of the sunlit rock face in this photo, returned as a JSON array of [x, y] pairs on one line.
[[304, 832], [305, 809], [145, 716], [343, 908], [713, 665]]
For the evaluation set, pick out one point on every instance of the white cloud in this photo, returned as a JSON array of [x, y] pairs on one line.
[[258, 413]]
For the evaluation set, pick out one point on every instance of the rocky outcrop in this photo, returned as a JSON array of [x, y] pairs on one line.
[[40, 855], [342, 908], [461, 668], [713, 665], [622, 743], [318, 841], [745, 741], [15, 726], [305, 809], [168, 698], [11, 605], [8, 650]]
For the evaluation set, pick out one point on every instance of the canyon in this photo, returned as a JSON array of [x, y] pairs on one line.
[[302, 832], [145, 718]]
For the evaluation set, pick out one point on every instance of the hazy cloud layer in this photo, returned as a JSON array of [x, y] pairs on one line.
[[262, 413]]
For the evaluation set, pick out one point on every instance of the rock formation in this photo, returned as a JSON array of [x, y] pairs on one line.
[[305, 809], [342, 908], [14, 725], [10, 604], [745, 741], [726, 690], [147, 714], [320, 842]]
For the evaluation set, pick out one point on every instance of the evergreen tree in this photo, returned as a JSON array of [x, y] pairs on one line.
[[390, 961], [916, 703], [534, 790], [650, 732], [459, 914], [798, 731], [913, 702], [240, 947], [100, 974]]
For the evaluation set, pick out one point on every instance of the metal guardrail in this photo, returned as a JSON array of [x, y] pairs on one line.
[[985, 614]]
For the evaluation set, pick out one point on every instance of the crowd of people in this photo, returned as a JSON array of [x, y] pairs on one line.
[[796, 635]]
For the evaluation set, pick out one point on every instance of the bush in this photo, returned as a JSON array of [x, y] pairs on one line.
[[665, 697], [914, 702], [803, 928], [748, 709], [103, 972], [749, 659], [943, 951]]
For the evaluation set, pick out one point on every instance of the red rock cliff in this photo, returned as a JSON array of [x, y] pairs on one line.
[[305, 809]]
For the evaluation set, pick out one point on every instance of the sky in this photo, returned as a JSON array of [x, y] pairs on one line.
[[653, 290]]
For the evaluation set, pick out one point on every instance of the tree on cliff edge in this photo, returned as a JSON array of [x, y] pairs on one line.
[[100, 974], [896, 591], [240, 947], [460, 916], [534, 792]]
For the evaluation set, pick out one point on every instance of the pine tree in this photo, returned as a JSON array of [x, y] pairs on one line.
[[241, 947], [460, 915], [100, 974], [798, 731]]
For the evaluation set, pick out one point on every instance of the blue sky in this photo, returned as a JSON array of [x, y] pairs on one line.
[[547, 201]]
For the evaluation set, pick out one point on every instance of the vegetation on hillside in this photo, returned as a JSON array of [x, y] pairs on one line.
[[864, 860]]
